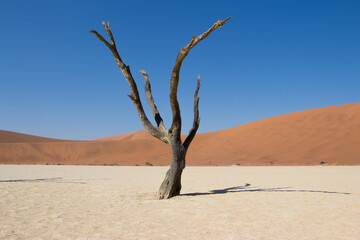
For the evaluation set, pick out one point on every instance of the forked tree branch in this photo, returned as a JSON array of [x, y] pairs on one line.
[[150, 100], [196, 121], [134, 96], [175, 129]]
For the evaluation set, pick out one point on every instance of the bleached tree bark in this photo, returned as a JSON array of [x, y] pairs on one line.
[[171, 185]]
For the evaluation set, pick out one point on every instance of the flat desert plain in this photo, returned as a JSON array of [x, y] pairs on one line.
[[103, 202]]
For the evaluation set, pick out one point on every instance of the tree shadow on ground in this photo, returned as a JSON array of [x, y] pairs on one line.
[[247, 188], [50, 180]]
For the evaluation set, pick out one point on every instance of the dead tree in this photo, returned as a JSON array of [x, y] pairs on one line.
[[171, 185]]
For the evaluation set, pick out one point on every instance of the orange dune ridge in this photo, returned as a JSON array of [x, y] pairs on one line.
[[141, 134], [330, 135], [13, 137]]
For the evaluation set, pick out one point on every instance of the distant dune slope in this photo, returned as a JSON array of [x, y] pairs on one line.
[[141, 134], [329, 134], [13, 137]]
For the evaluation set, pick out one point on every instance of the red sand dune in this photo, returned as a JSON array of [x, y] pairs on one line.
[[141, 134], [13, 137], [329, 134]]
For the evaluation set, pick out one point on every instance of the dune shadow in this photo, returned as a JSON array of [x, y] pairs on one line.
[[247, 188]]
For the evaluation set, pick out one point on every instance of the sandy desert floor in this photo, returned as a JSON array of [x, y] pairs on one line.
[[93, 202]]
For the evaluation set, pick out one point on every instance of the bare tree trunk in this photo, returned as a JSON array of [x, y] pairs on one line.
[[171, 185]]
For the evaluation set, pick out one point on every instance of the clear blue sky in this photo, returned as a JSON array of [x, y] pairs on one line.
[[273, 57]]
